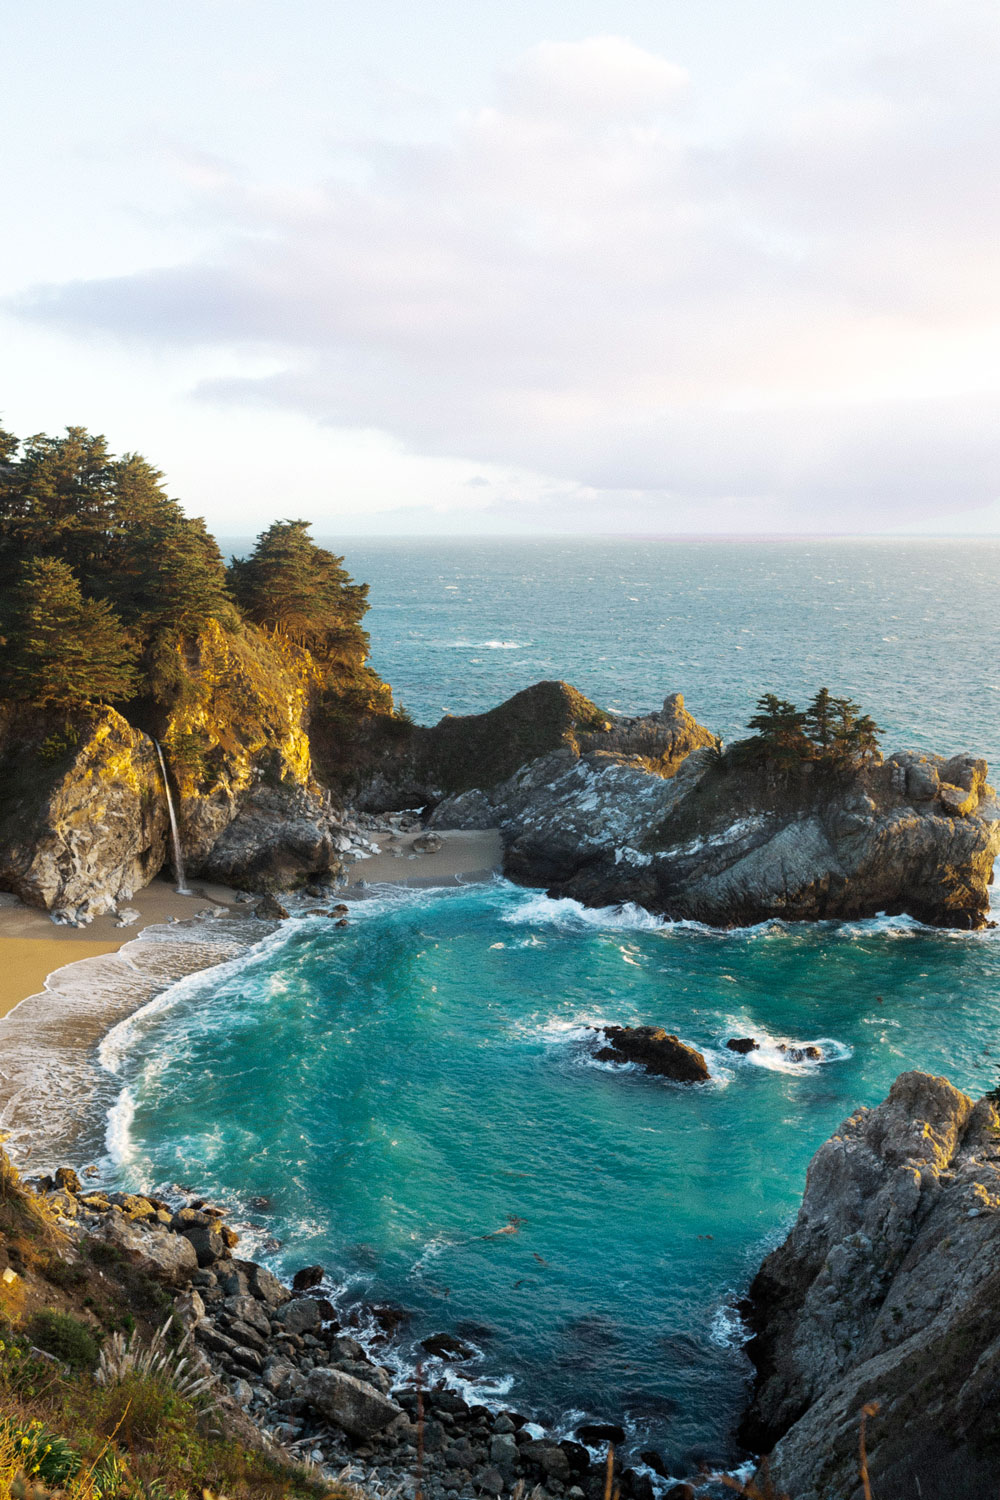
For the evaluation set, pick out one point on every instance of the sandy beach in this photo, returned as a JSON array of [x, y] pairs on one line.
[[63, 988], [32, 947]]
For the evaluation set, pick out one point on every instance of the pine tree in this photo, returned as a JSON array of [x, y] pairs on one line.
[[779, 728], [819, 720], [291, 585], [64, 650]]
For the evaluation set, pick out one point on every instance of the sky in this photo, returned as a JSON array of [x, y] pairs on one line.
[[492, 267]]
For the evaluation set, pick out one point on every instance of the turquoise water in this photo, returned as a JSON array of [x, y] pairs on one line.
[[402, 1090]]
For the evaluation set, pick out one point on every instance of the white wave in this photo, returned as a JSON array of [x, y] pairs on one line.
[[727, 1329], [564, 912], [772, 1052], [486, 645], [118, 1135]]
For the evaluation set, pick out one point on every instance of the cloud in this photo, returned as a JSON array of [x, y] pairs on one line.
[[581, 281]]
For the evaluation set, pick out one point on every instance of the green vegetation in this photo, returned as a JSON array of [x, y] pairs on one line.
[[65, 1337], [831, 731], [110, 594]]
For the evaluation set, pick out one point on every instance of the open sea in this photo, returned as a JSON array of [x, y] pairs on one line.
[[413, 1101]]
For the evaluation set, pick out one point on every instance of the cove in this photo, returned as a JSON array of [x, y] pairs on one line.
[[412, 1103]]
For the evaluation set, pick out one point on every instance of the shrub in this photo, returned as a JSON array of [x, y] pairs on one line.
[[65, 1337]]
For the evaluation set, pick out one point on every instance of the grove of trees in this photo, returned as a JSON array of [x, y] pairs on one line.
[[831, 731], [101, 573]]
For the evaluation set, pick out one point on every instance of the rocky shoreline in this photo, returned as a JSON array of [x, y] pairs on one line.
[[286, 1369]]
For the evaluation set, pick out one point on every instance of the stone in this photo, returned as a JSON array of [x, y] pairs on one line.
[[656, 1050], [248, 1310], [167, 1257], [743, 1045], [231, 1348], [427, 843], [503, 1451], [298, 1316], [489, 1481], [596, 1434], [262, 1284], [66, 1178], [242, 1391], [189, 1307], [358, 1409], [307, 1277], [270, 909], [548, 1457], [64, 1204], [447, 1346], [207, 1242]]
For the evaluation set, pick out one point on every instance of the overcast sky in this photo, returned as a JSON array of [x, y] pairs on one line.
[[497, 266]]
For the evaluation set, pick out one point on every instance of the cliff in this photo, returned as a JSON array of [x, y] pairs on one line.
[[83, 814], [727, 840], [886, 1294]]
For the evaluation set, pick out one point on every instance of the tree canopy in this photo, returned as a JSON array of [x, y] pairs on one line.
[[110, 521], [64, 650], [292, 585], [830, 730]]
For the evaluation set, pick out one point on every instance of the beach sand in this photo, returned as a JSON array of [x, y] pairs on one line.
[[54, 1090], [33, 948]]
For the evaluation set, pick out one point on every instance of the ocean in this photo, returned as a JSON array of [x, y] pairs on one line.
[[414, 1102]]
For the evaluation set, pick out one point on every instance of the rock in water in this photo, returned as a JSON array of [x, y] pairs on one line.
[[743, 1045], [349, 1403], [655, 1050], [887, 1291]]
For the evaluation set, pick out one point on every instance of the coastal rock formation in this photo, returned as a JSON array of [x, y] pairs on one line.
[[83, 821], [479, 751], [886, 1294], [655, 1050], [285, 1377], [723, 839]]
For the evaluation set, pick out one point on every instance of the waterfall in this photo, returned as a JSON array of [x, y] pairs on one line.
[[175, 838]]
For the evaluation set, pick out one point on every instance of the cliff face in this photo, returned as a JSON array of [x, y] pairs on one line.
[[887, 1292], [83, 820], [83, 824], [696, 835]]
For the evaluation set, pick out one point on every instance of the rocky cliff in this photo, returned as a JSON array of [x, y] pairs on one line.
[[83, 817], [83, 820], [721, 838], [886, 1294]]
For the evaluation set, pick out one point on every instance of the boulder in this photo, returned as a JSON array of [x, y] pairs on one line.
[[270, 909], [207, 1242], [167, 1257], [743, 1045], [358, 1409], [307, 1277], [66, 1178], [656, 1050], [298, 1316], [447, 1346]]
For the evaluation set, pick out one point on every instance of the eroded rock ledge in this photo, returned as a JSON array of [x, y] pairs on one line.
[[887, 1292]]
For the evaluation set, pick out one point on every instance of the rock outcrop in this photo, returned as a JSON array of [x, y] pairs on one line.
[[480, 751], [83, 821], [655, 1050], [726, 840], [886, 1294]]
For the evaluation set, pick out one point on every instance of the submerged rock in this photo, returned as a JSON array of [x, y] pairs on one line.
[[656, 1050], [887, 1292]]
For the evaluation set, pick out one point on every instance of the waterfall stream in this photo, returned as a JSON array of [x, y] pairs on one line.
[[175, 838]]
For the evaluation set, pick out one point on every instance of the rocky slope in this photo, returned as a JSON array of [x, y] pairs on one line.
[[724, 840], [886, 1294], [297, 1380]]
